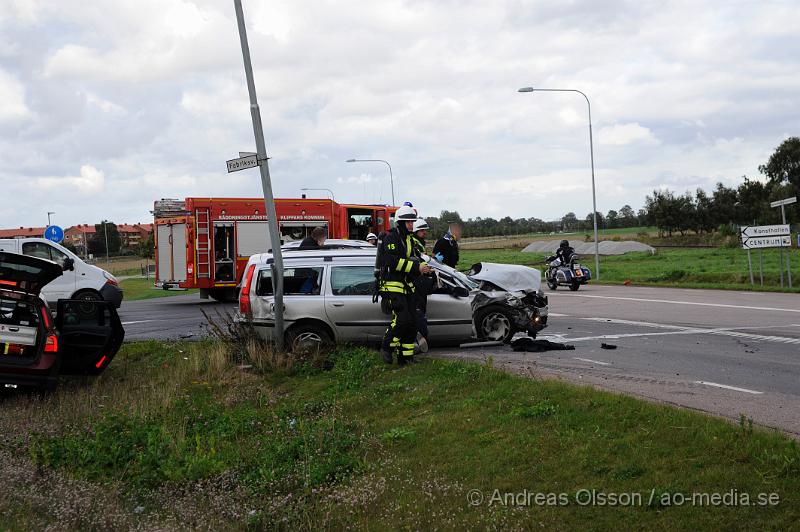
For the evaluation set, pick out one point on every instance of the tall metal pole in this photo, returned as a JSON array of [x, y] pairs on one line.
[[266, 184], [788, 253], [391, 175], [591, 156]]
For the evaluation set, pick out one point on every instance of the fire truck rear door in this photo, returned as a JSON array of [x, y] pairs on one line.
[[172, 252]]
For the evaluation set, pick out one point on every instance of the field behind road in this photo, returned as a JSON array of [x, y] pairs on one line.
[[174, 435], [678, 267]]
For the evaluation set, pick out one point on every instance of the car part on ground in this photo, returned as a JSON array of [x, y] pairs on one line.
[[537, 346]]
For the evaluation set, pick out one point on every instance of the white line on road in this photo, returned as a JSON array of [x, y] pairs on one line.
[[695, 303], [734, 388], [593, 361], [132, 322], [556, 315], [678, 329]]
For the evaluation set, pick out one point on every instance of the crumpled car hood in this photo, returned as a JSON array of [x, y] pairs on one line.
[[508, 277]]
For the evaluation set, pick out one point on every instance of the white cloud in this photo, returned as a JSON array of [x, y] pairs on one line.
[[624, 134], [12, 99], [90, 181]]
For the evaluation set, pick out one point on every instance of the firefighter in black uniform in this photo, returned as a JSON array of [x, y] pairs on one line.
[[399, 266], [423, 286]]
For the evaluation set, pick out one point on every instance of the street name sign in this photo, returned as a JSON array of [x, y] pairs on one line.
[[787, 201], [242, 163], [764, 230]]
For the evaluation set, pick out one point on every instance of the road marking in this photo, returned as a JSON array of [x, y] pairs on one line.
[[694, 303], [678, 329], [725, 386], [556, 315], [593, 361], [132, 322]]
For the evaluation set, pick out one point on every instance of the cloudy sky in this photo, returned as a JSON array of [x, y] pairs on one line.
[[107, 105]]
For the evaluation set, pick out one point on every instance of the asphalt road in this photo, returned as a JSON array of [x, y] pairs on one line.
[[728, 353]]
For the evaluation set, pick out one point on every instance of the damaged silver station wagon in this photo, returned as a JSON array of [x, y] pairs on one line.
[[328, 297]]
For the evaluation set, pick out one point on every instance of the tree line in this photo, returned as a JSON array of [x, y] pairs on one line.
[[670, 212]]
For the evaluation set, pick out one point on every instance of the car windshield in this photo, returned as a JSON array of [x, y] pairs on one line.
[[460, 277]]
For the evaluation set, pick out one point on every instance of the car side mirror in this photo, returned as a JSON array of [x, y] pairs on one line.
[[460, 291], [69, 264]]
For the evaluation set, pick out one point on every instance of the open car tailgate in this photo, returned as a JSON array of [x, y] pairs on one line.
[[91, 333]]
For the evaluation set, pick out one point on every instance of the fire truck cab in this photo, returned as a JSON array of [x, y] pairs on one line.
[[205, 242]]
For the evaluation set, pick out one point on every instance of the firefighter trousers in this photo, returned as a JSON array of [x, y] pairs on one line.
[[402, 330]]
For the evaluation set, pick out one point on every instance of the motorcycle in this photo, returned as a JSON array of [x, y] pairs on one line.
[[572, 275]]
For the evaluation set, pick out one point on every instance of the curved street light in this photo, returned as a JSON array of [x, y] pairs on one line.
[[391, 177], [591, 155]]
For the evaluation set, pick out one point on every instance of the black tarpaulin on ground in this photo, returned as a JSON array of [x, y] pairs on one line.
[[537, 346]]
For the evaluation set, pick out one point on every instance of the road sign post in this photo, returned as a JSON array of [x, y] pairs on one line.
[[266, 183], [782, 204], [750, 266]]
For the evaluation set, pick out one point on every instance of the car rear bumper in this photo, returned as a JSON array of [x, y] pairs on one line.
[[112, 293], [43, 374]]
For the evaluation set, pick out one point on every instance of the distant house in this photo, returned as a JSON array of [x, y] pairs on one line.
[[23, 232], [80, 235]]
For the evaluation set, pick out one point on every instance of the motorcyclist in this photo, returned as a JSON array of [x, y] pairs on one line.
[[564, 252]]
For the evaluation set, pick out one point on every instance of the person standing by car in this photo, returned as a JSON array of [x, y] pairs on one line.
[[423, 286], [315, 240], [446, 248], [399, 266]]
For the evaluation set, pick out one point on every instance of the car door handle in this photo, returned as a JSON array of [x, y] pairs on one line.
[[337, 304]]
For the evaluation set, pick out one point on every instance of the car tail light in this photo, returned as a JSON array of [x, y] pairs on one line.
[[100, 362], [244, 294], [112, 282], [51, 344]]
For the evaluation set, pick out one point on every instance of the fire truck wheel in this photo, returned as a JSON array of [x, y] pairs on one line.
[[308, 339], [224, 295]]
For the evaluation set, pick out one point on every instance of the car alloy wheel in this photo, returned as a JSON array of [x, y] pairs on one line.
[[496, 326]]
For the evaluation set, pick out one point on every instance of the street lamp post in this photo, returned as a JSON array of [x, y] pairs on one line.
[[591, 156], [48, 217], [105, 229], [391, 176], [326, 189]]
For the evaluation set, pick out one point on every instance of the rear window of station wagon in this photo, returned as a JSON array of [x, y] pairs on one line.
[[300, 280]]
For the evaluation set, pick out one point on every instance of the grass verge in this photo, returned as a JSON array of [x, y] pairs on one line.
[[140, 288], [175, 435], [679, 267]]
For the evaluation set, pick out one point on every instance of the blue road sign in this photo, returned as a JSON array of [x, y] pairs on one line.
[[54, 233]]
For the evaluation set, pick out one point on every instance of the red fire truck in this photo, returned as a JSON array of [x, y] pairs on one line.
[[205, 242]]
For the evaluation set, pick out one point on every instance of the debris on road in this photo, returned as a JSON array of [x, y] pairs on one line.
[[537, 346], [608, 346], [481, 344]]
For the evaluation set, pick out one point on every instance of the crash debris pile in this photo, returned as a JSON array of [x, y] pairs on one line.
[[537, 346]]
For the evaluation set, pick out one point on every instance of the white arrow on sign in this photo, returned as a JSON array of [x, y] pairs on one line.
[[768, 242], [242, 163], [764, 230]]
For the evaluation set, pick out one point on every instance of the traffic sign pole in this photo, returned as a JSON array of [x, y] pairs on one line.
[[789, 254], [266, 183], [750, 266]]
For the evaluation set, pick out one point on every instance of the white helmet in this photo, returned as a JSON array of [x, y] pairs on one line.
[[372, 236], [405, 214], [421, 225]]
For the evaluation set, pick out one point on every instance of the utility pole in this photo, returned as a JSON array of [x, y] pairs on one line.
[[266, 183]]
